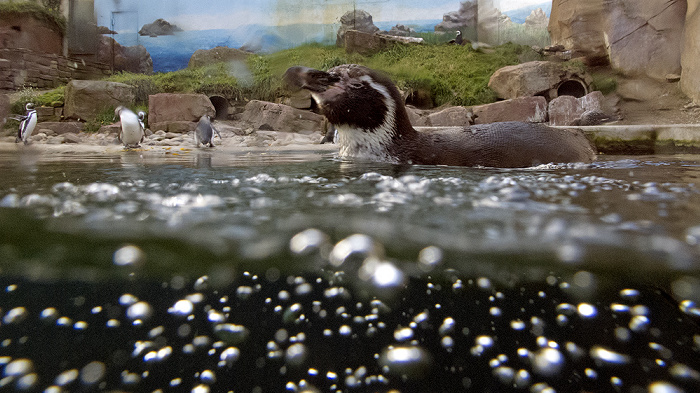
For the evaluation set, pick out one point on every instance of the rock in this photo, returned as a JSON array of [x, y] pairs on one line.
[[400, 31], [645, 37], [579, 26], [105, 30], [368, 44], [537, 20], [134, 59], [300, 99], [532, 109], [46, 113], [159, 27], [538, 78], [4, 108], [690, 59], [111, 129], [84, 99], [71, 138], [170, 107], [202, 57], [645, 89], [358, 20], [280, 117], [450, 117], [564, 110], [27, 31], [465, 17], [175, 127], [60, 127]]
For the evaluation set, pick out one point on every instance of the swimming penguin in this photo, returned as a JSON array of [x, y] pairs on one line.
[[142, 118], [372, 123], [26, 124], [131, 132], [204, 133]]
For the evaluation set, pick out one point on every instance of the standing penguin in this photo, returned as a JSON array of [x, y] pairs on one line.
[[27, 124], [142, 118], [132, 132], [204, 133]]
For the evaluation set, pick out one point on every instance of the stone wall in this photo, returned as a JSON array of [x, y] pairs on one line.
[[21, 68]]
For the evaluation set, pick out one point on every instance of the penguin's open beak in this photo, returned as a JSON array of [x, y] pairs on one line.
[[297, 78]]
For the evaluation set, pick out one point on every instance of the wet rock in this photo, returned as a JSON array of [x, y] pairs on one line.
[[280, 117], [358, 20], [134, 59], [159, 27], [565, 109], [61, 127], [202, 57], [368, 44], [71, 138], [690, 74], [171, 107], [466, 16], [85, 99], [532, 109], [535, 78]]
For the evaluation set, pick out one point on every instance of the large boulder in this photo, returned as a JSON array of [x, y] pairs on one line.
[[279, 117], [358, 20], [466, 16], [134, 59], [159, 27], [580, 27], [532, 109], [690, 60], [85, 99], [539, 78], [166, 108], [202, 57], [564, 110], [645, 36]]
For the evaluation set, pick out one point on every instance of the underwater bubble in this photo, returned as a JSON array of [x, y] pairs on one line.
[[447, 326], [517, 324], [587, 310], [139, 311], [429, 258], [208, 377], [296, 354], [682, 371], [629, 294], [639, 323], [403, 334], [548, 362], [201, 389], [182, 307], [67, 377], [664, 387], [18, 368], [230, 355], [15, 315], [604, 356], [308, 241], [92, 372], [407, 362], [381, 274], [129, 256], [355, 246], [231, 333], [127, 299], [505, 375], [201, 284]]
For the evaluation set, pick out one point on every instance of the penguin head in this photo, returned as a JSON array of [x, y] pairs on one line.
[[142, 115], [29, 106], [349, 95], [118, 111]]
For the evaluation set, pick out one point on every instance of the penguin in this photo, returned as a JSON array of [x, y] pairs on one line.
[[131, 129], [594, 117], [27, 124], [458, 38], [369, 114], [204, 133], [142, 118]]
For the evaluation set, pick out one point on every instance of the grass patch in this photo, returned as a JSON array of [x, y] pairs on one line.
[[104, 118], [50, 14]]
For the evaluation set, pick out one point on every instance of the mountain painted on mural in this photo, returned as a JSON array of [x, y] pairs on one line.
[[172, 52]]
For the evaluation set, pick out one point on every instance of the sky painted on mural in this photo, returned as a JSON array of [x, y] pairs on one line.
[[226, 14]]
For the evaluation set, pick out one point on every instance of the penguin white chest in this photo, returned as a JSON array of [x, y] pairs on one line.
[[132, 133]]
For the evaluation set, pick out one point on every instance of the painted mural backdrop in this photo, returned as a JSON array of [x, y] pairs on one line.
[[269, 25]]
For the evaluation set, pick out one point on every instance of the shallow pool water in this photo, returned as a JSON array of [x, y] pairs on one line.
[[296, 271]]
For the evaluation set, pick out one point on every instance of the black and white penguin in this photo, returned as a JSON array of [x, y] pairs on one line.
[[593, 118], [204, 133], [132, 133], [27, 122], [142, 119], [372, 123], [458, 38]]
